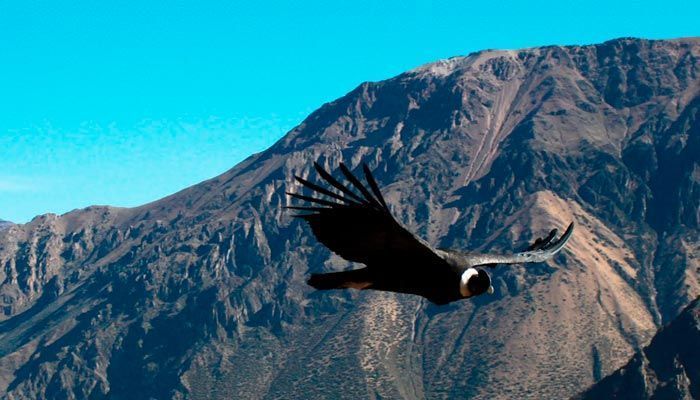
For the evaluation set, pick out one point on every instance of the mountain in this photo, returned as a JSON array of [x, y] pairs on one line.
[[4, 224], [668, 368], [202, 294]]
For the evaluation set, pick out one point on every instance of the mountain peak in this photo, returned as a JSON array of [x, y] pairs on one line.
[[450, 65], [5, 224]]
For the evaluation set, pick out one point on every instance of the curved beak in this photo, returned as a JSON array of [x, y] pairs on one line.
[[490, 290]]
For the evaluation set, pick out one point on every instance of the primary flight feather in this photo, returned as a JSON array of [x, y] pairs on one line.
[[359, 227]]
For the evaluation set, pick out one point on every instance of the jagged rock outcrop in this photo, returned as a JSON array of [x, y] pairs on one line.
[[668, 368], [202, 294]]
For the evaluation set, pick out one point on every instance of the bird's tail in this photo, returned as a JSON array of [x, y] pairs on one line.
[[355, 279]]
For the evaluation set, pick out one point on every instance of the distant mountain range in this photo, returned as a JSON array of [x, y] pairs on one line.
[[4, 224], [202, 294]]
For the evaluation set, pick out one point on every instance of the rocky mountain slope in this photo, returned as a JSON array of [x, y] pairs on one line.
[[202, 294], [4, 224], [669, 368]]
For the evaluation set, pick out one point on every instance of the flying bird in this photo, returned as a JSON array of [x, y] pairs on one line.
[[354, 222]]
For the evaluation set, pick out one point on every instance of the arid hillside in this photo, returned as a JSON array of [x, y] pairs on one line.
[[669, 368], [202, 294]]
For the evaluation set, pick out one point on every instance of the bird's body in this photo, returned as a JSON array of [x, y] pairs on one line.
[[360, 228]]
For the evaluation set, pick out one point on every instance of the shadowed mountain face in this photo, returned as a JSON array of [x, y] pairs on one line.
[[669, 368], [202, 294]]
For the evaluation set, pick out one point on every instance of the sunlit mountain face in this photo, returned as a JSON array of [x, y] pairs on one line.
[[202, 294]]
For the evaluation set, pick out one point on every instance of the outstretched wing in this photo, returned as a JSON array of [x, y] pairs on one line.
[[359, 226], [542, 250]]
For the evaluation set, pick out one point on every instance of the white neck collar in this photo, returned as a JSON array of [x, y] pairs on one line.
[[466, 275]]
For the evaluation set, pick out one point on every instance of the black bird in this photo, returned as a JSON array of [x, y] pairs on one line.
[[360, 228]]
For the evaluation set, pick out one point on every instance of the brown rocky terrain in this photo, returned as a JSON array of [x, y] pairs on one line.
[[668, 368], [4, 224], [202, 294]]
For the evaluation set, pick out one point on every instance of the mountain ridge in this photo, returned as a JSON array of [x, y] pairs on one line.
[[485, 157], [666, 368]]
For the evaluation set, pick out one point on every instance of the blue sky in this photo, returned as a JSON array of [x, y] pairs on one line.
[[122, 103]]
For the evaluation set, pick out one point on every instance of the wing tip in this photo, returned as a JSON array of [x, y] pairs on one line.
[[559, 244], [373, 185], [569, 230]]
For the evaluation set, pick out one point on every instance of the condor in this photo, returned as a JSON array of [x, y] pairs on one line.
[[359, 227]]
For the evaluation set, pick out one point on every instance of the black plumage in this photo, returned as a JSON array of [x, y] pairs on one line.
[[360, 228]]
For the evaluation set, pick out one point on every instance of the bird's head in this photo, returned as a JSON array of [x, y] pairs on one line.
[[475, 282]]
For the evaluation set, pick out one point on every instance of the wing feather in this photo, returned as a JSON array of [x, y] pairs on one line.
[[323, 190], [541, 250], [373, 185], [329, 178], [355, 182], [313, 199], [364, 230]]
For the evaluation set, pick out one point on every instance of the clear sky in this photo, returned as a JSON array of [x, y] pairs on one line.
[[124, 102]]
